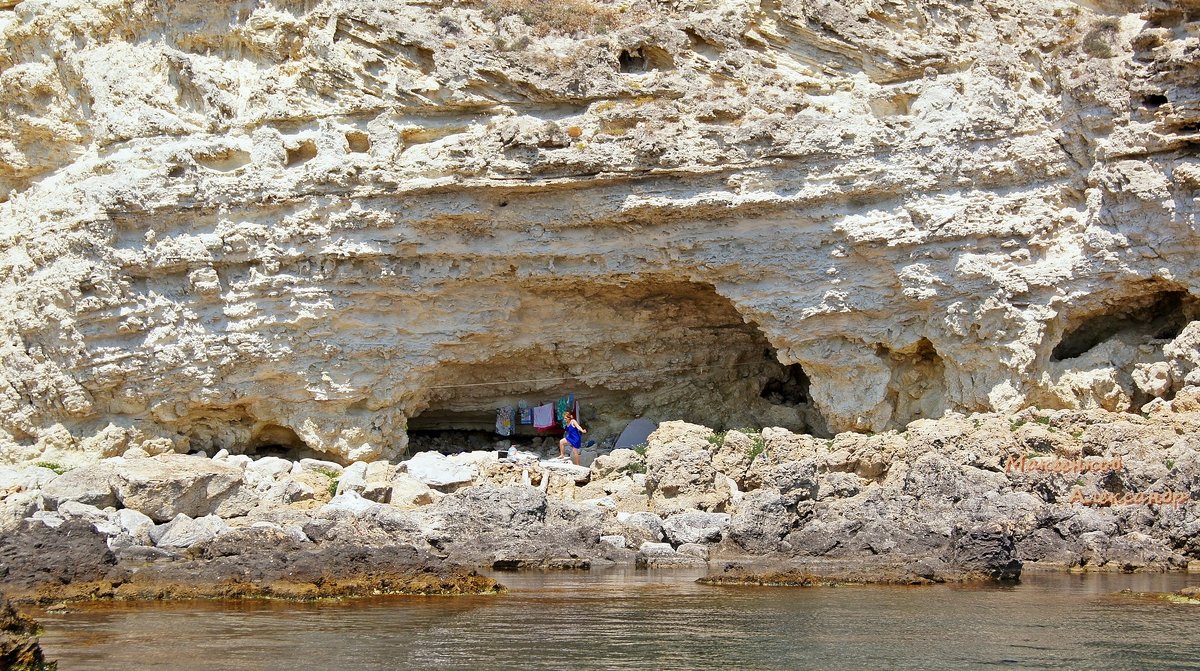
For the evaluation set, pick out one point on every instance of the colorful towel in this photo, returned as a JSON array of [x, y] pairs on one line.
[[562, 406], [504, 420], [543, 416]]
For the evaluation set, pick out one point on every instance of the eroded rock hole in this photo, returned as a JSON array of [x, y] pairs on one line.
[[1157, 316], [1154, 101], [223, 160], [655, 349], [632, 61], [644, 59], [358, 142], [301, 153]]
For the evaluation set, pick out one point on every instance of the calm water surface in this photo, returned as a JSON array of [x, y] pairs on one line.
[[627, 619]]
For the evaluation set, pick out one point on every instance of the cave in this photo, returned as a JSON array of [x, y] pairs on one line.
[[790, 389], [273, 440], [656, 349], [1158, 315]]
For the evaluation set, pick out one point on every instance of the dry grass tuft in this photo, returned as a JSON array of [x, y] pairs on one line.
[[568, 17]]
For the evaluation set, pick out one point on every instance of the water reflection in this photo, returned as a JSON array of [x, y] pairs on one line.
[[624, 619]]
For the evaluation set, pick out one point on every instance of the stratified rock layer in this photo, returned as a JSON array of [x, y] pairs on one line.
[[301, 224]]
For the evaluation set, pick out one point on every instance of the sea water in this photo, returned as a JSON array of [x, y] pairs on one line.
[[630, 619]]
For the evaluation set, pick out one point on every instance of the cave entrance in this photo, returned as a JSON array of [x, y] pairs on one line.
[[1159, 315], [790, 389], [273, 440], [657, 349]]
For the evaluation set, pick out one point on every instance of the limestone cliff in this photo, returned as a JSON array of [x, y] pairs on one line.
[[308, 222]]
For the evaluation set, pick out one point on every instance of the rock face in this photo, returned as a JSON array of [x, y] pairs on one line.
[[959, 498], [296, 226]]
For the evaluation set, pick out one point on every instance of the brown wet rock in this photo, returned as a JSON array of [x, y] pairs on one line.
[[1187, 595], [153, 586], [264, 563], [765, 579], [37, 555], [19, 648], [829, 573]]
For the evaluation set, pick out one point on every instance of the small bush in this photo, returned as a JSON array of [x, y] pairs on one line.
[[1044, 421], [1013, 426], [57, 468], [757, 447], [634, 467], [640, 448], [568, 17], [1098, 41], [717, 439], [1170, 464], [333, 485]]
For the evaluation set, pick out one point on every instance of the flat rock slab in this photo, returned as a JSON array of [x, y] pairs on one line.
[[436, 470], [171, 484], [581, 474], [695, 527]]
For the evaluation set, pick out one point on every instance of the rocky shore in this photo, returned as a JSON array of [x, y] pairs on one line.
[[19, 648], [960, 498]]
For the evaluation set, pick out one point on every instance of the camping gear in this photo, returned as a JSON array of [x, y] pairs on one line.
[[635, 433]]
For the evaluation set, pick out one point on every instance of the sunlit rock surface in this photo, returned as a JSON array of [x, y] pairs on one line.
[[300, 224]]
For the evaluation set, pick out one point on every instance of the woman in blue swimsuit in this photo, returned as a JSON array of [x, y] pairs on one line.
[[573, 436]]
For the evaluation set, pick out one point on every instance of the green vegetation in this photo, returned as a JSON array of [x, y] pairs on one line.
[[1013, 426], [757, 444], [641, 449], [1170, 463], [1044, 421], [333, 476], [57, 468], [634, 467]]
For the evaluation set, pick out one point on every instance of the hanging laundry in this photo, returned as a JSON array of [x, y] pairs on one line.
[[504, 420], [524, 413], [562, 407], [543, 416]]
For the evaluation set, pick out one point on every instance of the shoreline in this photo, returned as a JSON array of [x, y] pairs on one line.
[[933, 504]]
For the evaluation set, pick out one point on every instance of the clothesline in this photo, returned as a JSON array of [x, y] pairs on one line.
[[577, 377]]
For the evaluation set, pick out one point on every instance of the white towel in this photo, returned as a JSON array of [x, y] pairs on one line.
[[543, 416]]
